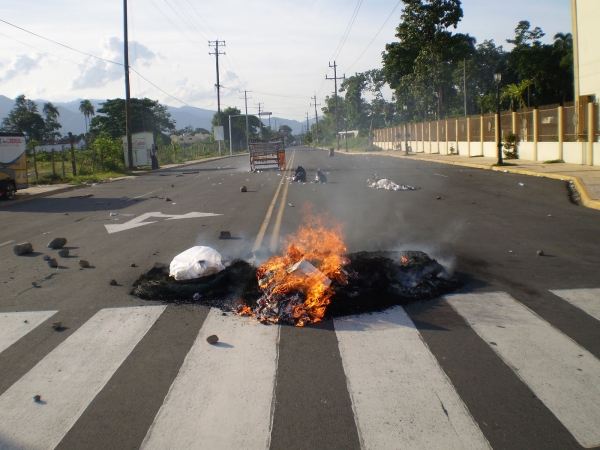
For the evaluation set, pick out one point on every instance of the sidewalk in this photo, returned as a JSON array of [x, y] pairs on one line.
[[36, 191], [585, 178]]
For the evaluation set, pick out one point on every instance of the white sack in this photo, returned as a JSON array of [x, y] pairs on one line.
[[196, 262]]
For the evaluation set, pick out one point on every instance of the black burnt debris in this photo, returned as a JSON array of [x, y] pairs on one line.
[[376, 281]]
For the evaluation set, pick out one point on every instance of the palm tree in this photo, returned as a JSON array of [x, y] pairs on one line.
[[514, 93], [51, 124], [51, 111], [87, 109]]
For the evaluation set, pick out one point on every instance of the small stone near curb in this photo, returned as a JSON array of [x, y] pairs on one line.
[[225, 235], [52, 263], [83, 263], [57, 325], [63, 253], [540, 253], [133, 265], [243, 189], [57, 243], [23, 248], [212, 339], [167, 199], [112, 282], [438, 198]]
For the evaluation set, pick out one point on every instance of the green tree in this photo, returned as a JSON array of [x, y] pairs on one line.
[[238, 126], [146, 115], [52, 125], [25, 118], [514, 93], [421, 65], [87, 109]]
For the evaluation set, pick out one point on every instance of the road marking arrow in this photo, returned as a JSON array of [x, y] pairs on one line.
[[139, 221]]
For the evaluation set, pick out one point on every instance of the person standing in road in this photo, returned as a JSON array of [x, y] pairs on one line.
[[153, 156]]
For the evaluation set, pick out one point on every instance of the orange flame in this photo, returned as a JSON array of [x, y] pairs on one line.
[[320, 243]]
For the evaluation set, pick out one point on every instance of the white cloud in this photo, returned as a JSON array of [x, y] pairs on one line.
[[21, 65], [98, 73]]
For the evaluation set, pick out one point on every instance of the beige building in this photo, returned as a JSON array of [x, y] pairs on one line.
[[586, 48]]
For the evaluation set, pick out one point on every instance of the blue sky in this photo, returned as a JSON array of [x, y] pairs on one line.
[[279, 50]]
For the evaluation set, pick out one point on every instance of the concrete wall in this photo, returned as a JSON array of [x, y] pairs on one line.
[[547, 151], [490, 149], [573, 152], [526, 150]]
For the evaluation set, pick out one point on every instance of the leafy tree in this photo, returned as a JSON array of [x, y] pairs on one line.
[[238, 126], [25, 118], [514, 93], [52, 126], [421, 65], [545, 65], [87, 109], [146, 115], [287, 132]]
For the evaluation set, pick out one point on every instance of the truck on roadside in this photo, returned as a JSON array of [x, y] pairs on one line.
[[13, 164]]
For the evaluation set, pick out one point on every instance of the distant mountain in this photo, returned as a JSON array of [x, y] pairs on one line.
[[72, 120]]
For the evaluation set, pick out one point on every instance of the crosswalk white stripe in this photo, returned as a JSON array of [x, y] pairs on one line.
[[585, 299], [563, 375], [400, 395], [69, 378], [15, 325], [222, 397]]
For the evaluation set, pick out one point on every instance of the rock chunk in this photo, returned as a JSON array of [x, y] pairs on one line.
[[84, 264], [212, 339], [243, 189], [63, 253], [57, 243], [23, 248], [52, 263]]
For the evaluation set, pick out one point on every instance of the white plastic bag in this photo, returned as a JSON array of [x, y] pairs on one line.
[[196, 262]]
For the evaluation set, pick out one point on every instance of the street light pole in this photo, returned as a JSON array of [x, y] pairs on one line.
[[405, 107], [498, 79]]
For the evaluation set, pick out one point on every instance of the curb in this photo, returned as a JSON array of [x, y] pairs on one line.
[[80, 186], [587, 198]]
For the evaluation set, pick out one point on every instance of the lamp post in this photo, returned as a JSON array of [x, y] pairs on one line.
[[405, 107], [498, 79]]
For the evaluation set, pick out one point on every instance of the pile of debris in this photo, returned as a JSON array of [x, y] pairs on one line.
[[383, 183], [314, 279]]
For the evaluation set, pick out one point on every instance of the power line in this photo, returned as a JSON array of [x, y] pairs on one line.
[[347, 32], [58, 43], [282, 95], [372, 40]]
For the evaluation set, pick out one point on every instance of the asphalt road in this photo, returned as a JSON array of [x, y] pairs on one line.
[[487, 226]]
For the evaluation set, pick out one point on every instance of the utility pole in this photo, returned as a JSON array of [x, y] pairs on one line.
[[127, 90], [316, 118], [260, 121], [337, 123], [307, 126], [218, 85], [465, 84], [247, 128]]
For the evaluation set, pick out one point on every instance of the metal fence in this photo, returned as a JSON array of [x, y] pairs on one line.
[[548, 125], [463, 130], [489, 127]]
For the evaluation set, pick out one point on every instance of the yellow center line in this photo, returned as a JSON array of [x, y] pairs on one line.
[[265, 224], [277, 226]]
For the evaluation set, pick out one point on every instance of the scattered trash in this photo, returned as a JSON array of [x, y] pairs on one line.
[[290, 205], [196, 262], [383, 183], [212, 339], [540, 253], [167, 199], [172, 185], [112, 282], [37, 398], [133, 265], [189, 173], [299, 175], [57, 325], [438, 198], [549, 215], [23, 248], [243, 189], [84, 264], [57, 243], [225, 235], [510, 251], [113, 214], [521, 184], [63, 253], [83, 196], [196, 296], [46, 257], [52, 263]]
